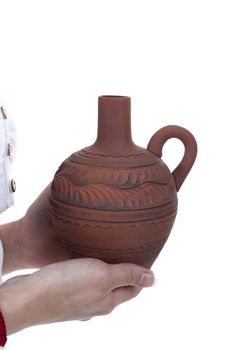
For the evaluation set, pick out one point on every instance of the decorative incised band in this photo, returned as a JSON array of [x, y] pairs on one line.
[[81, 174], [106, 197], [64, 210], [75, 246], [114, 225], [85, 151], [142, 158]]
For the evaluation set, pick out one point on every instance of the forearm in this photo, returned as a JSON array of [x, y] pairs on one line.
[[11, 235]]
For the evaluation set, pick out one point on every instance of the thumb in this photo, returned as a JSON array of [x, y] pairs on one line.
[[131, 275]]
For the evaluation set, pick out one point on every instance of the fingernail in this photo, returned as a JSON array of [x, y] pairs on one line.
[[147, 279]]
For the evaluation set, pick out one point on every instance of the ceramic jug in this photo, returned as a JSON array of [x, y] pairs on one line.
[[114, 200]]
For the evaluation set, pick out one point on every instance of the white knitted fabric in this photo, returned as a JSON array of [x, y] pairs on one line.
[[7, 139], [7, 152], [1, 259]]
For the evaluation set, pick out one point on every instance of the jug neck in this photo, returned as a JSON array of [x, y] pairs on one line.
[[114, 123]]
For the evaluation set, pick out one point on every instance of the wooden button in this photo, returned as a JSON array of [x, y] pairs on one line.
[[9, 149], [12, 185], [3, 112]]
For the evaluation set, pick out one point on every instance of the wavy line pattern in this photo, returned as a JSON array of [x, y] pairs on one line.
[[105, 155], [144, 257], [156, 244]]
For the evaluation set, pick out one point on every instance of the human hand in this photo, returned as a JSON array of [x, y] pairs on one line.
[[72, 290], [31, 242], [43, 246]]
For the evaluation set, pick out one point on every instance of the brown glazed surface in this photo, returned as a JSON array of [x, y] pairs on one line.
[[114, 200]]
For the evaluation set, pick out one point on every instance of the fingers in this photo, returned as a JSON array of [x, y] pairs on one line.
[[117, 297], [127, 282], [123, 275], [123, 294]]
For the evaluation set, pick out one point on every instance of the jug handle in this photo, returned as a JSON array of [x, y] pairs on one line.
[[157, 141]]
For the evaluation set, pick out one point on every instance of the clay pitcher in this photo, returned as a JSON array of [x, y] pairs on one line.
[[114, 200]]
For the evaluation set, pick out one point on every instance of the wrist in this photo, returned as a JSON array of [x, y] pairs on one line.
[[3, 334], [16, 304]]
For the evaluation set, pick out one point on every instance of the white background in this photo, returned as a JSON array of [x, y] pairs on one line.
[[175, 60]]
